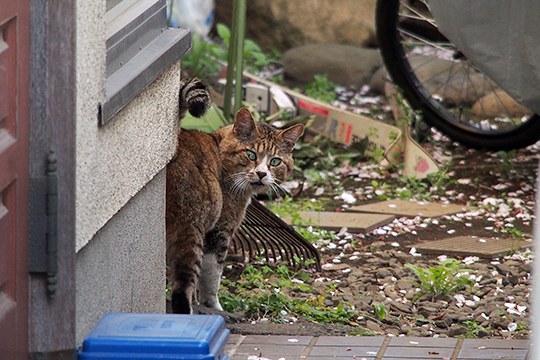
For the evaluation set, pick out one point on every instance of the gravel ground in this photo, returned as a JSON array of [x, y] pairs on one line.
[[369, 269]]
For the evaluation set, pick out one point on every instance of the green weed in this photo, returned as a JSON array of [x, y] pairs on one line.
[[263, 293], [506, 158], [321, 88], [473, 329], [287, 207], [444, 279], [201, 60], [380, 311]]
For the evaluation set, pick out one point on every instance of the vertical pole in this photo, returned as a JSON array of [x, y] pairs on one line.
[[240, 14], [230, 65]]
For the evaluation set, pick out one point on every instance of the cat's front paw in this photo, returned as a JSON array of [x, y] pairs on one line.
[[212, 302]]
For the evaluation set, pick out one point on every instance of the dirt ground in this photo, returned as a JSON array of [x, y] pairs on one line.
[[499, 191]]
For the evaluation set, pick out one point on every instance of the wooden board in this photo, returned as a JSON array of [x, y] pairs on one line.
[[472, 246], [354, 222], [409, 208]]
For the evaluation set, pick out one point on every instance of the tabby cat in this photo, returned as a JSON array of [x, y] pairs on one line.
[[210, 182]]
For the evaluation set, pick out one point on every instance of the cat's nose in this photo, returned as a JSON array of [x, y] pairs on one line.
[[261, 174]]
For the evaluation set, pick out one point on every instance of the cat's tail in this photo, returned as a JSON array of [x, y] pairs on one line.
[[194, 97]]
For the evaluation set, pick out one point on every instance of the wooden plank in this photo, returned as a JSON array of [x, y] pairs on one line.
[[354, 222], [409, 208], [472, 246]]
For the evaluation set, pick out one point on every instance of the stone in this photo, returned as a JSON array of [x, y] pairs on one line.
[[373, 326], [456, 330], [285, 24], [372, 288], [401, 307], [391, 293], [378, 80], [383, 273], [504, 269], [497, 103], [392, 331], [427, 310], [404, 284], [335, 267], [344, 65], [378, 244]]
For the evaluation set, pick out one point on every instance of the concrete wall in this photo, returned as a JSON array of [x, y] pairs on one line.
[[123, 267], [120, 184], [116, 160]]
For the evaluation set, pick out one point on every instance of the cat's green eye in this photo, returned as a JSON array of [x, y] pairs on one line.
[[251, 155], [275, 161]]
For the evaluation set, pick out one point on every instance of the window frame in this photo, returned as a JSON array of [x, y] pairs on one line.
[[139, 48]]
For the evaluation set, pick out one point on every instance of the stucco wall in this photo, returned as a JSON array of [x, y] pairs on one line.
[[123, 267], [116, 160]]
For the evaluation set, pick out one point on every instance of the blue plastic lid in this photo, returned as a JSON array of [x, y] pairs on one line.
[[156, 336]]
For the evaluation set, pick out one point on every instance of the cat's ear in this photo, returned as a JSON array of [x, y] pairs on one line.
[[291, 135], [244, 124]]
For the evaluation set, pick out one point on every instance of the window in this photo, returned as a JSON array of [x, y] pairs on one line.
[[140, 47]]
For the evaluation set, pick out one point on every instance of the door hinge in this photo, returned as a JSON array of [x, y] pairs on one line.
[[43, 224]]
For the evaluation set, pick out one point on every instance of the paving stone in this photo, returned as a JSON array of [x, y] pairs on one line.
[[350, 341], [407, 341], [491, 353], [274, 347], [270, 350], [419, 348], [349, 352], [471, 246], [277, 340], [495, 344], [354, 222], [409, 208]]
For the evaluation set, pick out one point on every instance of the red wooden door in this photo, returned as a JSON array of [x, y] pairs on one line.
[[14, 120]]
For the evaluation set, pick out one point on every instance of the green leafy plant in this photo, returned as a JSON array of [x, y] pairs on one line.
[[201, 60], [446, 278], [262, 292], [517, 236], [321, 88], [506, 158], [473, 329], [323, 154], [412, 188], [287, 207], [380, 311]]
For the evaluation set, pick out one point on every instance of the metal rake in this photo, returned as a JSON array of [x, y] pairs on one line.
[[263, 234]]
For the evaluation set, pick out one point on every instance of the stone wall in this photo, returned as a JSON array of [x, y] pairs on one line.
[[284, 24]]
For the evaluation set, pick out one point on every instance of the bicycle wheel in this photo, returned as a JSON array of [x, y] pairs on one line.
[[436, 79]]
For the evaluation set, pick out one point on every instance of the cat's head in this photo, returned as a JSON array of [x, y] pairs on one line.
[[255, 156]]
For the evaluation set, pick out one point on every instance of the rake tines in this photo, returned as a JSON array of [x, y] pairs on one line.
[[264, 234]]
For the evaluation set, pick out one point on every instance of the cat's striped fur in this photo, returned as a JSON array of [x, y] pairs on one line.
[[209, 185], [194, 97]]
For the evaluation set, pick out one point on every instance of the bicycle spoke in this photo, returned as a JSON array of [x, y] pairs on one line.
[[441, 82], [422, 39], [420, 16]]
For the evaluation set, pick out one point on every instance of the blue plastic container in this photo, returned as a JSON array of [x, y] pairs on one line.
[[123, 336]]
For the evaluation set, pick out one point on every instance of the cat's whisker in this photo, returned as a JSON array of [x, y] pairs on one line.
[[235, 175], [274, 189], [277, 189], [239, 185]]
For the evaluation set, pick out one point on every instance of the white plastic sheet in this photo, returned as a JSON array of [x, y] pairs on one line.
[[198, 15], [501, 38]]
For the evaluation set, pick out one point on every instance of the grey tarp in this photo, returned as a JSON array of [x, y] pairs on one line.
[[501, 38]]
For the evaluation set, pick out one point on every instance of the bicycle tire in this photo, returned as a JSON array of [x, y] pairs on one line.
[[436, 113]]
